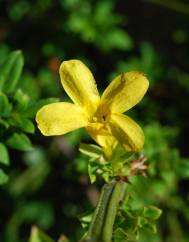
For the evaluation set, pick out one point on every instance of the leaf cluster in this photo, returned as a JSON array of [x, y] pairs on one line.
[[17, 111]]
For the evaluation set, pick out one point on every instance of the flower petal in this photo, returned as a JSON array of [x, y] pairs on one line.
[[125, 91], [60, 118], [103, 137], [79, 84], [127, 132]]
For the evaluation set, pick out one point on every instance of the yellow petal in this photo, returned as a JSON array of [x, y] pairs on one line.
[[103, 137], [79, 84], [60, 118], [127, 132], [125, 91]]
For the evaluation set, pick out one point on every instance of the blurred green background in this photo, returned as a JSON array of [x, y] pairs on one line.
[[49, 185]]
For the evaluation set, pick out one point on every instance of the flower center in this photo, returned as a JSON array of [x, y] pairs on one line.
[[99, 123], [102, 115]]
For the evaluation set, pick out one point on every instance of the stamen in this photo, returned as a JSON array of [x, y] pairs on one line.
[[95, 119]]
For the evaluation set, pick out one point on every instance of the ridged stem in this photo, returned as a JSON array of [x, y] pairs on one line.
[[101, 227], [97, 222], [116, 197]]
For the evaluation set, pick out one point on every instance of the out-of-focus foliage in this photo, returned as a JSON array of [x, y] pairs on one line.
[[97, 22], [16, 110], [48, 185]]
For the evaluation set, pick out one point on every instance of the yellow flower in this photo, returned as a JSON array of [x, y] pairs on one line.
[[102, 116]]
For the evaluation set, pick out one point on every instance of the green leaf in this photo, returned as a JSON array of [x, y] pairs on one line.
[[33, 177], [85, 220], [21, 99], [150, 226], [128, 222], [3, 177], [19, 141], [118, 39], [152, 212], [39, 236], [120, 235], [141, 221], [95, 168], [4, 124], [183, 168], [4, 155], [92, 169], [25, 124], [11, 71], [133, 221], [90, 150], [34, 107], [5, 106]]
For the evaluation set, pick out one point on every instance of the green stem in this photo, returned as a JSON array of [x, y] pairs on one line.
[[116, 197], [96, 225], [101, 227]]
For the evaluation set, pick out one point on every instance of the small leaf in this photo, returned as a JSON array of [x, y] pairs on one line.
[[85, 220], [183, 168], [90, 150], [33, 177], [5, 106], [22, 100], [92, 168], [152, 212], [3, 177], [118, 39], [4, 124], [4, 155], [133, 221], [141, 221], [11, 71], [19, 141], [95, 168], [120, 235], [25, 124], [128, 222], [34, 107], [39, 236], [150, 227]]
